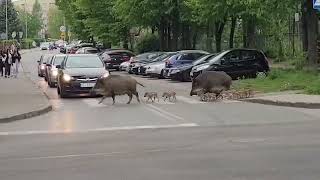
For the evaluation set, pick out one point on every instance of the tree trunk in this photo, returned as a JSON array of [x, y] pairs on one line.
[[209, 37], [219, 27], [169, 40], [194, 38], [162, 34], [251, 32], [312, 31], [232, 31], [304, 27]]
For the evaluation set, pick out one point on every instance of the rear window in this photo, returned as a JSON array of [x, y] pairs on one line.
[[93, 51], [84, 62], [58, 60]]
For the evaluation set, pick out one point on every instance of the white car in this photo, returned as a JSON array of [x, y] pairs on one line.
[[156, 69], [124, 66]]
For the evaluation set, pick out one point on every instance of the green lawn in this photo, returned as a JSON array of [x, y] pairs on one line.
[[283, 80]]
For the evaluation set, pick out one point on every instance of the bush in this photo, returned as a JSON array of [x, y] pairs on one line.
[[148, 43], [26, 44], [39, 41], [8, 42]]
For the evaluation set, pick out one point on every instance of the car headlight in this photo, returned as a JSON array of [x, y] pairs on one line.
[[54, 72], [106, 75], [42, 67], [66, 77], [202, 68]]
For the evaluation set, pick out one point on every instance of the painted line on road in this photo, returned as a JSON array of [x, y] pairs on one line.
[[44, 132], [164, 113], [189, 100]]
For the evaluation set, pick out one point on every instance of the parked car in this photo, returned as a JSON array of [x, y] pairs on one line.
[[182, 58], [42, 64], [236, 63], [75, 48], [182, 72], [52, 71], [113, 58], [45, 46], [156, 67], [141, 60], [124, 66], [78, 73], [87, 50]]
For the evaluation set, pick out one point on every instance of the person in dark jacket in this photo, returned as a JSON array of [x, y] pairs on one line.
[[2, 60], [8, 63]]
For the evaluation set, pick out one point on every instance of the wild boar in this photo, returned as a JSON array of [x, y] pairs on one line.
[[211, 82], [115, 85]]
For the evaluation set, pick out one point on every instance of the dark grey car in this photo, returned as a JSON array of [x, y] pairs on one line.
[[78, 73]]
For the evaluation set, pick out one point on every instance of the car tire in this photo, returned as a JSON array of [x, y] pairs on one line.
[[62, 93], [51, 85], [185, 77], [161, 76]]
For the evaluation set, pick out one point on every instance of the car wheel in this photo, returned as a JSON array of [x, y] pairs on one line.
[[62, 93], [161, 74], [52, 85], [185, 77]]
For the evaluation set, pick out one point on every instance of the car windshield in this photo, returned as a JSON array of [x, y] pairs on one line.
[[84, 62], [162, 57], [58, 60], [93, 51], [216, 59], [45, 44], [203, 59]]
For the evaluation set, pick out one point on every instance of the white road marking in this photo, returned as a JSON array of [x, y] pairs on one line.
[[189, 100], [44, 132], [166, 113], [93, 103]]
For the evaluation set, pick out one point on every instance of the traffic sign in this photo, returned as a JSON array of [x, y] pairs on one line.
[[316, 4], [62, 28], [14, 35], [20, 34], [3, 36]]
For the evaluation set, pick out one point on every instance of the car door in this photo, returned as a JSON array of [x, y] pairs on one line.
[[248, 65], [229, 63]]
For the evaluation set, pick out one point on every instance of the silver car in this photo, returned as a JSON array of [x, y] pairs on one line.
[[156, 69], [52, 71]]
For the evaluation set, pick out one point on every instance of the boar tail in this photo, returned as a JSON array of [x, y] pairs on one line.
[[140, 84]]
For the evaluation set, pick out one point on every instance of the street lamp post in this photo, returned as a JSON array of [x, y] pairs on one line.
[[7, 36], [25, 12]]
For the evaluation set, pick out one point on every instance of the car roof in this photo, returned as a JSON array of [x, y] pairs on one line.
[[117, 50], [193, 51], [82, 55]]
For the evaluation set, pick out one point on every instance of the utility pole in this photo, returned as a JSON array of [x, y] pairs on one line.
[[7, 20], [25, 12]]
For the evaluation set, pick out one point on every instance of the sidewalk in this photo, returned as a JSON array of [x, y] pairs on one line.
[[21, 99], [288, 99]]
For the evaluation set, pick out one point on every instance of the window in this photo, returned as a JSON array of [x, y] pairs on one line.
[[233, 56], [58, 60], [84, 62], [248, 55]]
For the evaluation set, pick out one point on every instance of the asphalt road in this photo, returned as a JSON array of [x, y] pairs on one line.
[[184, 140]]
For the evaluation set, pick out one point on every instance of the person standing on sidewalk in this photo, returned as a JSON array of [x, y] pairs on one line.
[[8, 63], [2, 60], [16, 57]]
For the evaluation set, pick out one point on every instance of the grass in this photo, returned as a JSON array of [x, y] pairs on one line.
[[284, 80]]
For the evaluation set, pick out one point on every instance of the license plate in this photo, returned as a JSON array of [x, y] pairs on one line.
[[87, 85]]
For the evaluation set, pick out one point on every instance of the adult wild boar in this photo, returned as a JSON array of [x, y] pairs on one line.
[[211, 82], [115, 85]]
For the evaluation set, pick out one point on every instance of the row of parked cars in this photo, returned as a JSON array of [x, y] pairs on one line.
[[181, 65], [187, 64]]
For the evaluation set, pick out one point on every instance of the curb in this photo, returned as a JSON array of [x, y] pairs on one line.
[[285, 104], [26, 115]]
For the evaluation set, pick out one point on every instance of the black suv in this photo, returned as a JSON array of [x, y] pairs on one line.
[[237, 63]]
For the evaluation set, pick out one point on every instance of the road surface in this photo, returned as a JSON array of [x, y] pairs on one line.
[[186, 140]]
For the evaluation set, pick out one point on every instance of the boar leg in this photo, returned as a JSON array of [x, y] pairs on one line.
[[130, 98], [102, 99], [113, 98], [137, 95]]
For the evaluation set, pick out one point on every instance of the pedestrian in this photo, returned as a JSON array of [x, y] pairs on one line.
[[8, 63], [2, 60], [16, 58]]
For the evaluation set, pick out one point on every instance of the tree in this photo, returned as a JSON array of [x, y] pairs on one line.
[[55, 20], [13, 21]]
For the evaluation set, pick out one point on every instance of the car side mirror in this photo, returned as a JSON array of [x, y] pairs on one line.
[[223, 61], [58, 66]]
